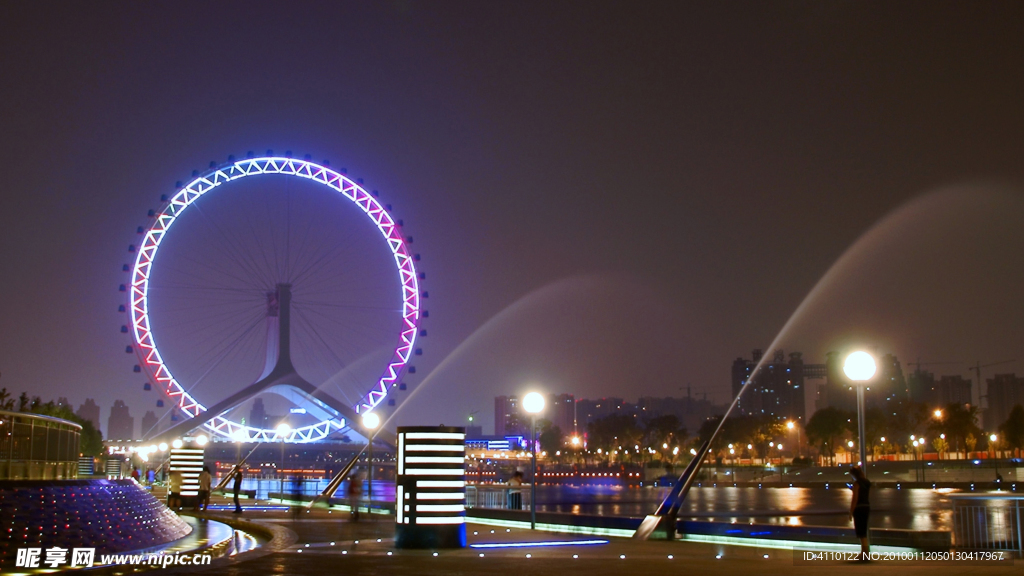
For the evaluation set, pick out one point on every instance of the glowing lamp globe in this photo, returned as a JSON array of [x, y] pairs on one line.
[[177, 443], [533, 402], [163, 446], [859, 366], [202, 439], [371, 421]]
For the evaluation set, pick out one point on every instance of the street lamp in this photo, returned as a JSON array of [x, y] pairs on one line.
[[370, 421], [282, 431], [859, 368], [533, 403], [792, 426]]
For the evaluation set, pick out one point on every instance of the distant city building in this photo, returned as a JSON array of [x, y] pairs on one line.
[[507, 418], [778, 387], [937, 393], [120, 425], [589, 410], [90, 411], [887, 389], [149, 424], [560, 409], [1004, 392], [691, 412], [510, 420], [258, 415]]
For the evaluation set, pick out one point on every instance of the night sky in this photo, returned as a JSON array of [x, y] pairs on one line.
[[610, 198]]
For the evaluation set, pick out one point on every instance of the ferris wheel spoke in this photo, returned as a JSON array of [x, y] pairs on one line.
[[350, 306], [235, 250], [219, 270], [358, 326], [223, 320], [331, 374], [224, 353]]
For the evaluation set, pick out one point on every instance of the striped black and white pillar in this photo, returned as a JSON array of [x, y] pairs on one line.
[[188, 460], [430, 494]]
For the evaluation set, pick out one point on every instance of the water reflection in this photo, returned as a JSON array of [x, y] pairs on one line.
[[915, 509]]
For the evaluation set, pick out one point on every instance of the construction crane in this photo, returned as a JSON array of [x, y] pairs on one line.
[[977, 373], [919, 364]]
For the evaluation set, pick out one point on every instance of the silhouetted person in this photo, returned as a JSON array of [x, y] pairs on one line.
[[205, 479], [860, 509], [174, 490], [515, 491], [355, 494], [237, 489], [296, 489]]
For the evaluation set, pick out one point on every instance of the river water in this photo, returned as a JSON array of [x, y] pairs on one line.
[[911, 508]]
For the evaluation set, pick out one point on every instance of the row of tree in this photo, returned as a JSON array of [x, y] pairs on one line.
[[623, 438], [91, 441]]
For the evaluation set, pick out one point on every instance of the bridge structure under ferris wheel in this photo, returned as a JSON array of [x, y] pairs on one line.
[[325, 413]]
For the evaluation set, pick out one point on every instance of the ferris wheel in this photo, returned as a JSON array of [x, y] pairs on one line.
[[303, 251]]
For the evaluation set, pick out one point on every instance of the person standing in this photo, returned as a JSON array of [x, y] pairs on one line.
[[355, 494], [237, 489], [205, 479], [860, 509], [515, 491], [174, 490]]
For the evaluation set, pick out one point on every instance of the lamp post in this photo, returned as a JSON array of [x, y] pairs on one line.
[[859, 368], [533, 403], [370, 422], [282, 431]]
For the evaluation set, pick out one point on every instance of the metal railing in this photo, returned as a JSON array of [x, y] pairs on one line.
[[988, 522], [495, 497]]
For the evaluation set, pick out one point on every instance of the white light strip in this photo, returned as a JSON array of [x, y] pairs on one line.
[[435, 436], [399, 503], [434, 472], [441, 520], [401, 454], [436, 448], [435, 459], [440, 483], [439, 495], [440, 508]]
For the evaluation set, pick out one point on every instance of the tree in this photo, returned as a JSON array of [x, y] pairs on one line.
[[826, 428], [1012, 431], [90, 442], [6, 400], [612, 431], [970, 442], [663, 433], [550, 437], [940, 445], [957, 422]]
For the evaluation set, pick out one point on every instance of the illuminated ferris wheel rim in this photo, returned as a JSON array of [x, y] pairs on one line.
[[139, 307]]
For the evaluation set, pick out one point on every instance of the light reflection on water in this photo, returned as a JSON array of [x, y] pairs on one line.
[[915, 509]]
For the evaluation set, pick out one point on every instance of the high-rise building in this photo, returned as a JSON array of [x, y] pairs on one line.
[[90, 411], [120, 425], [691, 412], [589, 410], [507, 418], [885, 390], [924, 388], [149, 424], [1004, 392], [258, 414], [776, 390], [560, 409]]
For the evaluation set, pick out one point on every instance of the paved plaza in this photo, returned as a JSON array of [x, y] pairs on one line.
[[327, 542]]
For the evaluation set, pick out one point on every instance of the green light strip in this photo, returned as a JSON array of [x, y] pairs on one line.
[[561, 528], [785, 544], [702, 538]]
